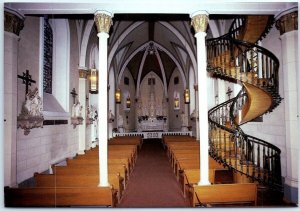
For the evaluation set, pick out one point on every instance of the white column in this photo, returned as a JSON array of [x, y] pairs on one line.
[[103, 22], [199, 22], [288, 26], [8, 107], [82, 100], [197, 112]]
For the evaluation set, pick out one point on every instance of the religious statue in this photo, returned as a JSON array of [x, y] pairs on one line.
[[77, 109], [33, 104], [89, 115], [120, 124], [111, 117], [184, 120], [31, 115], [76, 115]]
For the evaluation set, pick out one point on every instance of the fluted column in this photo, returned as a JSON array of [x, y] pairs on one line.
[[13, 24], [287, 23], [103, 22], [82, 99], [199, 22]]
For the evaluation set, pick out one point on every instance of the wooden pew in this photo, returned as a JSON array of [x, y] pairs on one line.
[[95, 161], [194, 164], [190, 177], [229, 194], [53, 180], [127, 140], [59, 197], [89, 170], [176, 138]]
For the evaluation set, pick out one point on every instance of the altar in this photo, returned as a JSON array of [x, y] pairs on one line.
[[152, 124]]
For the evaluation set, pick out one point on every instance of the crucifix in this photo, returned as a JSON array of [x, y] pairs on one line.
[[73, 93], [26, 80], [229, 91]]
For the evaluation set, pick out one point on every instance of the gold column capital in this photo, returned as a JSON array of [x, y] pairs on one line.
[[103, 21], [83, 73], [287, 23], [13, 23], [199, 21]]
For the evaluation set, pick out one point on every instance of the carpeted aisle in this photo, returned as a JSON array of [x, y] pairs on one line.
[[152, 182]]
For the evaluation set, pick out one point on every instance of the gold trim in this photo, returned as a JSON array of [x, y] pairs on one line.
[[83, 73], [200, 22], [13, 23], [287, 23], [103, 22]]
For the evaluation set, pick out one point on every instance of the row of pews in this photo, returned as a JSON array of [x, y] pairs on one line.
[[184, 155], [76, 183]]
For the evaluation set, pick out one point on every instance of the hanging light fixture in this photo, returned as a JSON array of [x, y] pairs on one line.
[[187, 96], [118, 96], [94, 81], [128, 102]]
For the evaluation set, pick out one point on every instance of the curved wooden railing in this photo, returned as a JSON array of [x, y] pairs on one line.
[[256, 69]]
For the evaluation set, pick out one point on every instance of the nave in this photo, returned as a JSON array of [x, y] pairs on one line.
[[148, 173]]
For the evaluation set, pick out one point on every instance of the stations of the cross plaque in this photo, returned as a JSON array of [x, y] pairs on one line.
[[74, 94], [26, 77]]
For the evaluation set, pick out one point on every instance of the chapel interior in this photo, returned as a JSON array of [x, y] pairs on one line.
[[150, 105]]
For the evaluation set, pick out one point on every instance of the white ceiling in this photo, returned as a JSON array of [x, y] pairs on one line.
[[151, 6]]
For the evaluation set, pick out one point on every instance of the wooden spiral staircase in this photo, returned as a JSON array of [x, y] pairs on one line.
[[236, 58]]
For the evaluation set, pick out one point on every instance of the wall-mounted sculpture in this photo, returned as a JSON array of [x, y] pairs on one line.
[[76, 115], [31, 115]]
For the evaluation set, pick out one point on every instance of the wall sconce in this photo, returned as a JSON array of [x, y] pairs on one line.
[[176, 103], [187, 96], [118, 96], [94, 81], [128, 102]]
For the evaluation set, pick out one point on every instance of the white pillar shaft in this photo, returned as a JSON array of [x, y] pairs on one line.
[[203, 108], [8, 107], [82, 128], [102, 109], [197, 115], [289, 47]]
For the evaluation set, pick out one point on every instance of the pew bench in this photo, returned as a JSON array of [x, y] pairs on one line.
[[223, 194], [52, 180], [60, 197], [89, 170]]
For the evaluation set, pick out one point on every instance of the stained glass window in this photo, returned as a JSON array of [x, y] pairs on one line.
[[47, 63]]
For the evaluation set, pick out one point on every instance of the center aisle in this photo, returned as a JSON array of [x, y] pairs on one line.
[[152, 182]]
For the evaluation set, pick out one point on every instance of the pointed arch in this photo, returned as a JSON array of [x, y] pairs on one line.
[[84, 44]]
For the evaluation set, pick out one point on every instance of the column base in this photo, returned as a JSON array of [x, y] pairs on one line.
[[202, 183], [104, 185], [81, 152]]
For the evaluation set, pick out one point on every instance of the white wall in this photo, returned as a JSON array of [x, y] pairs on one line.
[[174, 115], [129, 115], [44, 146]]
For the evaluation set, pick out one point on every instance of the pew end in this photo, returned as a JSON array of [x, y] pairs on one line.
[[223, 194]]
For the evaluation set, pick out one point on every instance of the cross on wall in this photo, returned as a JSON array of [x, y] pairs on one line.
[[26, 77], [74, 94]]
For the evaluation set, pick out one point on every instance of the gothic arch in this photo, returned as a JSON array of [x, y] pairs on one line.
[[142, 47], [84, 43]]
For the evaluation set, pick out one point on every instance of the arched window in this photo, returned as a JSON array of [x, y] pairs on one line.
[[56, 65]]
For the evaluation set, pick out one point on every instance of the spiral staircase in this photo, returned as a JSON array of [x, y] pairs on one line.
[[236, 58]]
